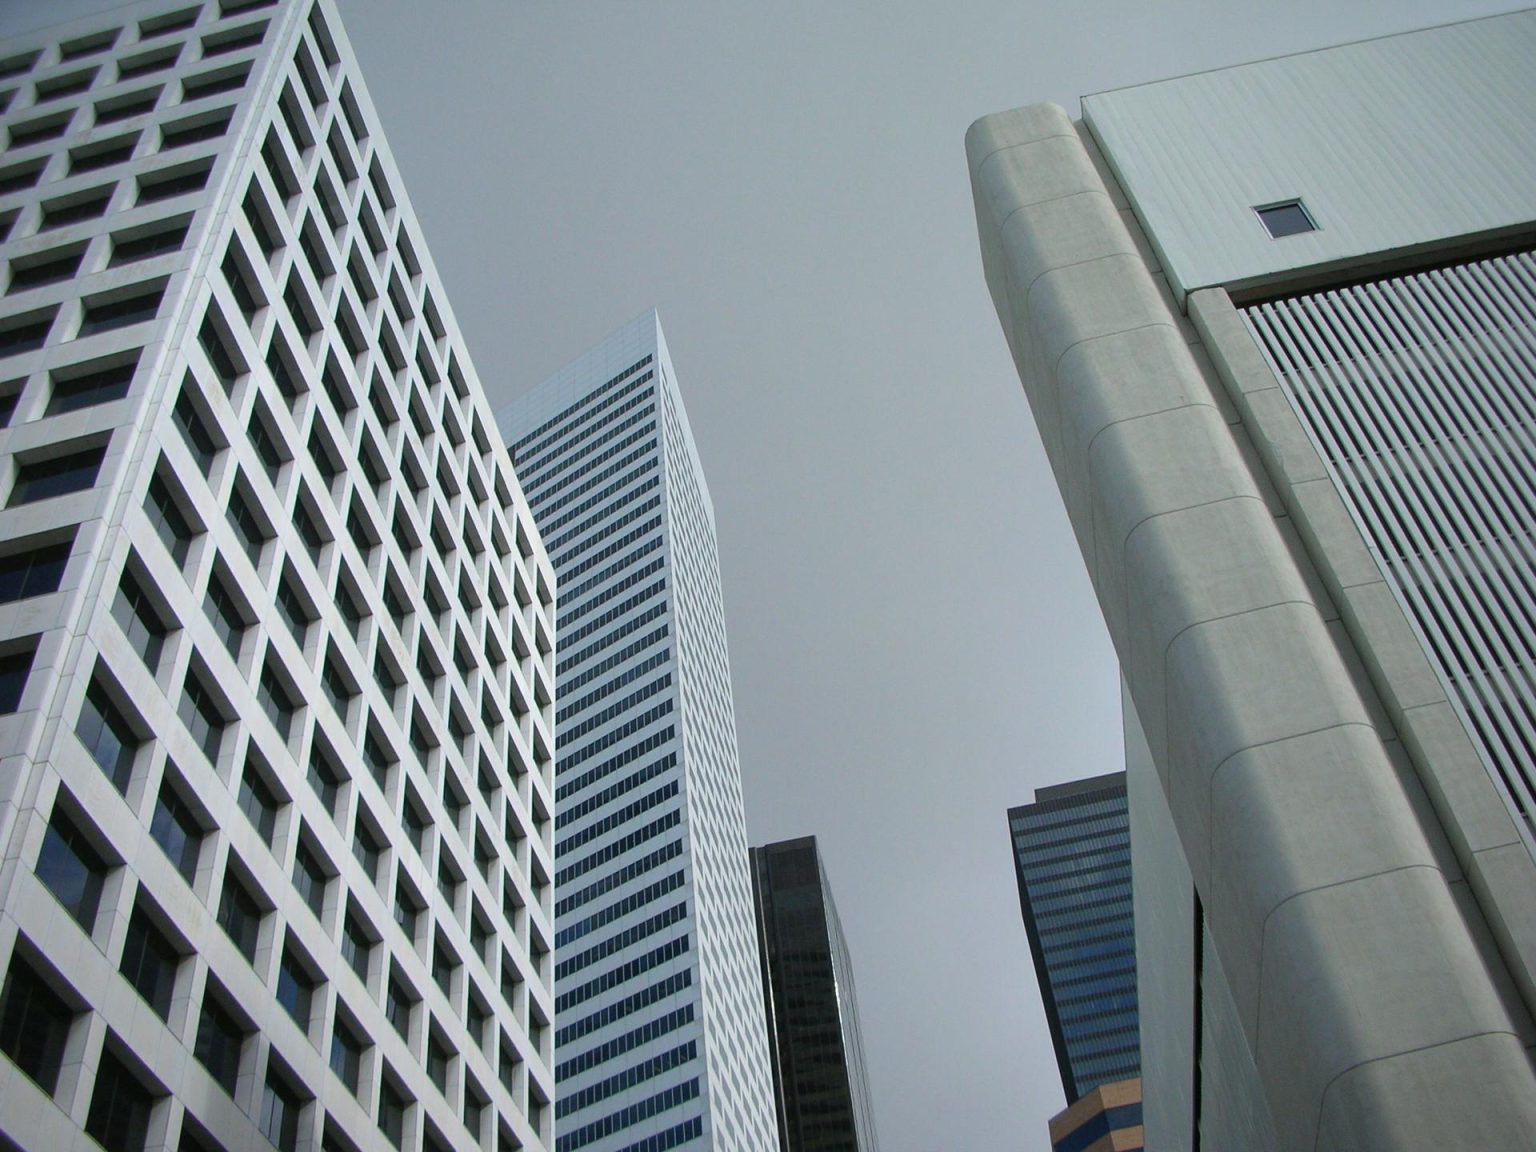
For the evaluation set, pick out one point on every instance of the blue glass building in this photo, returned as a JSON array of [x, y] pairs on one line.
[[1072, 856]]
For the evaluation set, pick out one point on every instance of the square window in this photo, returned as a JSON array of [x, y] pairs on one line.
[[72, 869], [258, 802], [240, 916], [149, 962], [167, 519], [56, 476], [203, 716], [347, 1055], [33, 569], [295, 989], [34, 1024], [392, 1106], [220, 1038], [140, 620], [87, 385], [175, 827], [108, 735], [310, 879], [120, 1107], [1288, 218], [280, 1109]]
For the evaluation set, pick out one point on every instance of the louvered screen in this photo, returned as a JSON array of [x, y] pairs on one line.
[[1420, 392]]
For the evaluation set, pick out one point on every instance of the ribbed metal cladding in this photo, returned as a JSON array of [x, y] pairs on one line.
[[1420, 393]]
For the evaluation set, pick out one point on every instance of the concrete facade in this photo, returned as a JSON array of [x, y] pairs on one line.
[[662, 1035], [277, 628], [1363, 892]]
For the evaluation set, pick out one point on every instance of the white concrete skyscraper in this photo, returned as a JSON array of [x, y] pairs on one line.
[[276, 673], [661, 1028]]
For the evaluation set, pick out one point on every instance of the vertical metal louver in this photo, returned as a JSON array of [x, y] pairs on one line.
[[1420, 393]]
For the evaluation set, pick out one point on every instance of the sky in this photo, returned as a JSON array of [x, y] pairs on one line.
[[914, 644]]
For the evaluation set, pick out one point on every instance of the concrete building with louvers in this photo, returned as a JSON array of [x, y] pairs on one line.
[[276, 627], [1277, 328]]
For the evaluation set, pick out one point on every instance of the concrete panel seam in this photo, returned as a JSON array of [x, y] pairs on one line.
[[1151, 516], [1258, 1021], [1088, 448], [1322, 1101], [1003, 224], [1030, 288], [982, 163], [1056, 367], [1210, 798]]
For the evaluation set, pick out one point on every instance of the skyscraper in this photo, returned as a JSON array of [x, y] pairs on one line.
[[275, 641], [1072, 860], [813, 1012], [1274, 325], [661, 1031]]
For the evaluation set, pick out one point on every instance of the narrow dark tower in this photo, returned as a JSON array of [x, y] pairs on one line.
[[818, 1054]]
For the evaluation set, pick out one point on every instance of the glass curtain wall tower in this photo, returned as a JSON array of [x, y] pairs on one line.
[[276, 683], [661, 1034]]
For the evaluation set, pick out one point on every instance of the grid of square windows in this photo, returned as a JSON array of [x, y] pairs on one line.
[[317, 376]]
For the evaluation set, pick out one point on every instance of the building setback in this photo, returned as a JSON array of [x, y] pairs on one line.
[[1274, 322], [275, 623], [661, 1032], [818, 1050]]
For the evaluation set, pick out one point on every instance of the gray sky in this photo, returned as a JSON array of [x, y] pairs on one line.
[[913, 640]]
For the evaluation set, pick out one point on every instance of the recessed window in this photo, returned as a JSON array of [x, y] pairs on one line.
[[398, 1003], [310, 879], [36, 131], [147, 62], [103, 154], [277, 701], [203, 716], [346, 1055], [150, 961], [212, 83], [240, 916], [26, 333], [139, 618], [174, 182], [295, 988], [280, 1108], [71, 868], [120, 1107], [33, 569], [175, 827], [87, 385], [56, 476], [167, 518], [108, 735], [149, 241], [258, 801], [120, 311], [392, 1106], [195, 432], [34, 1024], [356, 945], [220, 1038], [1288, 218], [194, 130], [45, 268], [225, 613], [127, 106], [88, 45], [72, 209], [253, 534]]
